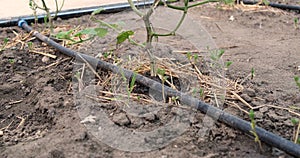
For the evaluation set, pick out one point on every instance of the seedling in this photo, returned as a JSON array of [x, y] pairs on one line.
[[5, 41], [30, 45], [48, 18], [227, 64], [132, 84], [265, 2], [199, 92], [252, 73], [297, 80], [216, 55], [161, 73], [296, 23], [296, 124], [253, 128], [175, 100], [196, 57], [11, 61]]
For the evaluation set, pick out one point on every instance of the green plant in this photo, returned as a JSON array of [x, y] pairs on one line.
[[253, 128], [217, 54], [175, 99], [151, 33], [296, 124], [296, 23], [132, 84], [265, 2], [252, 73], [71, 35], [5, 42], [161, 73], [297, 80], [227, 64], [229, 2], [11, 61], [48, 18], [30, 45], [199, 91]]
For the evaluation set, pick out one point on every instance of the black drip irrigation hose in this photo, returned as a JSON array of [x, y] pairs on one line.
[[74, 13], [276, 5], [231, 120]]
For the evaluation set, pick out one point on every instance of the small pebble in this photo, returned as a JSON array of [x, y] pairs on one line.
[[270, 98], [121, 119], [45, 59], [89, 119], [246, 97], [264, 109], [250, 92], [1, 133], [259, 115], [149, 117]]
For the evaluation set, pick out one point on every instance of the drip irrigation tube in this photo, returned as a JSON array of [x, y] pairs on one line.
[[231, 120], [74, 13], [276, 5]]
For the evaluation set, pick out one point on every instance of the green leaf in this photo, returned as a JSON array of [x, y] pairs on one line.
[[124, 36], [30, 3], [101, 32], [87, 31], [196, 57], [296, 20], [228, 63], [216, 55], [296, 78], [189, 55], [294, 121], [132, 82], [64, 34], [97, 11], [266, 2], [6, 40], [251, 114], [161, 71]]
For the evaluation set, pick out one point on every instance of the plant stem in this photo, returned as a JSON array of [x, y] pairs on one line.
[[172, 33], [297, 133], [139, 13], [47, 10]]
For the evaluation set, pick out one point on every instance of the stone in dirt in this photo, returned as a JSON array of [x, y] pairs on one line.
[[250, 92], [264, 109], [121, 119], [1, 133], [246, 97]]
